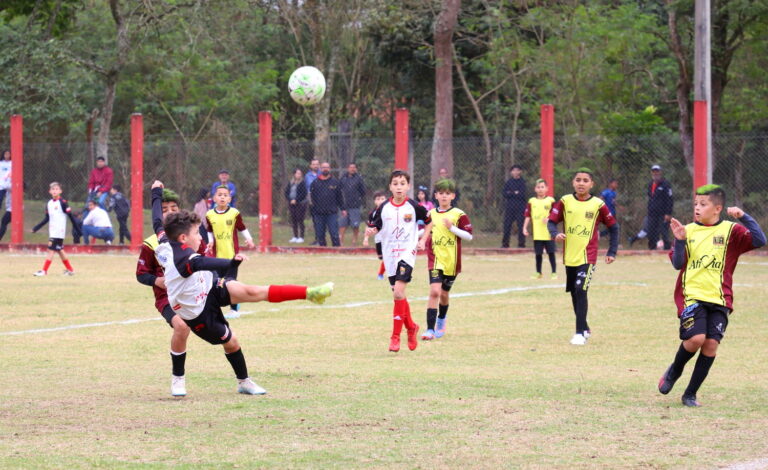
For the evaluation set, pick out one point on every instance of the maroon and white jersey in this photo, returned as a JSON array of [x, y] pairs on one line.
[[398, 226], [57, 212]]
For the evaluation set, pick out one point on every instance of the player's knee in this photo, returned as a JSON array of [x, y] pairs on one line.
[[444, 297], [434, 291], [695, 342], [709, 348]]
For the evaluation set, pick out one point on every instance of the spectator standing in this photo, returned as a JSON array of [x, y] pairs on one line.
[[122, 208], [421, 198], [444, 175], [514, 206], [296, 195], [6, 220], [5, 175], [326, 199], [224, 181], [309, 178], [100, 182], [609, 198], [353, 190], [97, 224], [660, 203]]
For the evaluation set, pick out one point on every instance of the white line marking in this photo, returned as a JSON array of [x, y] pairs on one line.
[[306, 307], [758, 464]]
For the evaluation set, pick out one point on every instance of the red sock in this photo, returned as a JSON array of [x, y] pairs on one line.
[[407, 319], [382, 269], [397, 317], [67, 265], [46, 265], [287, 292]]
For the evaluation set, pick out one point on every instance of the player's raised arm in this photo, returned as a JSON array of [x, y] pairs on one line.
[[679, 254], [758, 236], [157, 207]]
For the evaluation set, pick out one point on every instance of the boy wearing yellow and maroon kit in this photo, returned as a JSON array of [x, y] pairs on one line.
[[580, 213], [397, 220], [706, 252], [537, 214]]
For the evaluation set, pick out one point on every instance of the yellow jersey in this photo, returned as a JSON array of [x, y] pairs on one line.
[[223, 226], [443, 247], [580, 219], [538, 211]]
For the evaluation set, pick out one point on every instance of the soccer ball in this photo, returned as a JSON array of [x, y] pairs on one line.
[[307, 85]]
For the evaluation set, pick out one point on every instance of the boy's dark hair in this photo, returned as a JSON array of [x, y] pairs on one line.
[[101, 158], [515, 166], [118, 188], [586, 170], [171, 196], [178, 223], [202, 194], [221, 186], [541, 180], [715, 192], [379, 194], [446, 185], [398, 173]]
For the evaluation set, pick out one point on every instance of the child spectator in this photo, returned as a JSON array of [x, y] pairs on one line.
[[97, 224], [580, 213], [378, 199], [122, 208], [56, 212], [706, 252], [397, 220], [223, 221], [536, 214], [198, 286], [421, 198], [442, 238]]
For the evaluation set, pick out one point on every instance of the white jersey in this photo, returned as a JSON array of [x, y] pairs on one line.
[[98, 217], [186, 295], [57, 212], [5, 174], [398, 227]]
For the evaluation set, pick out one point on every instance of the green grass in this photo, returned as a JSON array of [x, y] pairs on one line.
[[503, 389]]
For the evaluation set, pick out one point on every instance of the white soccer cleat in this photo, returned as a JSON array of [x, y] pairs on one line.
[[67, 272], [249, 387], [178, 386], [232, 314], [40, 273], [587, 334], [292, 240], [299, 240], [578, 340]]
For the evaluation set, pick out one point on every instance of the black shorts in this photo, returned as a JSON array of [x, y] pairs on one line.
[[379, 253], [404, 273], [168, 314], [436, 276], [211, 325], [578, 277], [704, 318], [540, 245], [55, 244]]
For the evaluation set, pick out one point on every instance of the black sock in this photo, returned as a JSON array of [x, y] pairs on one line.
[[538, 263], [681, 359], [443, 311], [238, 364], [700, 371], [177, 360], [580, 307], [552, 262], [431, 318]]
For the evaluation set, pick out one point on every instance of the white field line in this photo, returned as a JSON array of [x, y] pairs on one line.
[[759, 464], [305, 307]]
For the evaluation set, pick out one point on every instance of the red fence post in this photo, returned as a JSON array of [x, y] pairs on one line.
[[17, 179], [137, 180], [548, 146], [401, 139], [701, 171], [265, 180]]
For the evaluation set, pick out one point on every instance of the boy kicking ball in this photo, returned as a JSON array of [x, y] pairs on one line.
[[198, 286], [706, 252]]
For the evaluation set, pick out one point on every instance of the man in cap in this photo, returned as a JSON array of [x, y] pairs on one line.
[[224, 181], [660, 202]]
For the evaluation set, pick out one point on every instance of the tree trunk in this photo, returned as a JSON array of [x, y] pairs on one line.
[[442, 141], [684, 86], [323, 109], [105, 117]]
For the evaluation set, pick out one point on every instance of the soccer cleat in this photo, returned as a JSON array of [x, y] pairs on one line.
[[109, 242], [413, 338], [380, 277], [536, 276], [67, 272], [667, 381], [318, 294], [587, 334], [299, 240], [232, 314], [632, 240], [428, 335], [553, 276], [394, 343], [690, 400], [40, 273], [578, 340], [178, 386], [440, 327], [249, 387], [292, 240]]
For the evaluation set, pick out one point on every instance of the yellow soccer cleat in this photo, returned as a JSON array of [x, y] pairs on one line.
[[318, 294]]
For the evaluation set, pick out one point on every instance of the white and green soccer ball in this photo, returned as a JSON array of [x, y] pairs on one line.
[[307, 85]]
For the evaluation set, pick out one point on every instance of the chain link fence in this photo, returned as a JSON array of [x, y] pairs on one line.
[[480, 169]]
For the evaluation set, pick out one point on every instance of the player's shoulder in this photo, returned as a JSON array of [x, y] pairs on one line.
[[532, 200], [151, 242], [549, 199]]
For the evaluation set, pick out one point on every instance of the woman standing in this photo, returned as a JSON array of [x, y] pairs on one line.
[[296, 194]]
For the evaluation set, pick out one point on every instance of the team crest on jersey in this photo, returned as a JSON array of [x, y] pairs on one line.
[[589, 215], [230, 222], [718, 240], [408, 217]]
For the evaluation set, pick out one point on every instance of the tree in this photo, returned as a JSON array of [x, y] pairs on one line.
[[442, 141]]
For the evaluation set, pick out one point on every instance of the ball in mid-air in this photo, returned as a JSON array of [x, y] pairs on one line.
[[306, 85]]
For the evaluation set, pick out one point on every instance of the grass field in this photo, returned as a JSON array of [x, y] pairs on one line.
[[503, 388]]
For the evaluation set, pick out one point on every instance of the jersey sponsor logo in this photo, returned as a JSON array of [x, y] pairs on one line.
[[407, 217], [444, 241], [706, 262], [580, 231]]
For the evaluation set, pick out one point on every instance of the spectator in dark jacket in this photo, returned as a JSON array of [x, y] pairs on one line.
[[353, 190], [660, 203], [326, 199], [296, 195], [514, 206], [122, 208]]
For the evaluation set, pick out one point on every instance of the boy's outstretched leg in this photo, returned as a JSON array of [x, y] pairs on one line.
[[239, 292]]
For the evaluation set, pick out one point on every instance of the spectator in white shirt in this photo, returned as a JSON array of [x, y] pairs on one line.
[[97, 224], [5, 174]]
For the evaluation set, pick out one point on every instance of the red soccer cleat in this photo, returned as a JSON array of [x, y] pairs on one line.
[[413, 337], [394, 343]]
